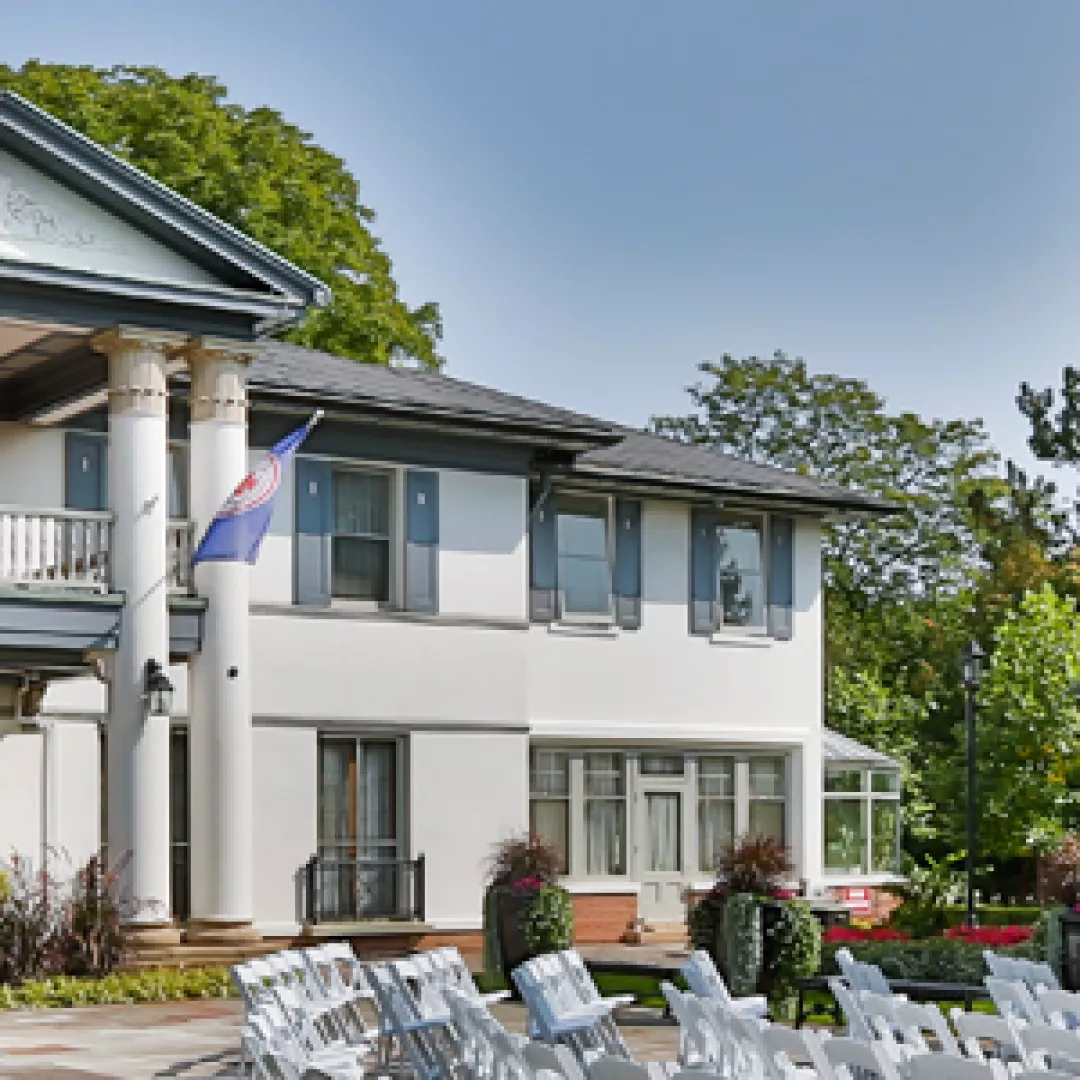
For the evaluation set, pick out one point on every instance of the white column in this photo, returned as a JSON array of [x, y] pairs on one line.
[[219, 727], [138, 743]]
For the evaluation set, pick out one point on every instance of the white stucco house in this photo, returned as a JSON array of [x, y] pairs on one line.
[[473, 614]]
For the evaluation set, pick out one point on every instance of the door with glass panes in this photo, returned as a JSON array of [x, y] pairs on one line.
[[359, 837], [660, 804]]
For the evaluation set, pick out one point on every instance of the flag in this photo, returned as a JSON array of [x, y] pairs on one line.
[[238, 528]]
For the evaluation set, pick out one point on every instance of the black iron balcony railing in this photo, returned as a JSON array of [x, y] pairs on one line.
[[344, 888]]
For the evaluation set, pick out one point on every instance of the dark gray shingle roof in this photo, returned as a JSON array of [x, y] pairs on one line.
[[323, 377], [617, 452], [646, 456]]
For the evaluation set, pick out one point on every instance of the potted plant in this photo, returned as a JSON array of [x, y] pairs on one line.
[[526, 913]]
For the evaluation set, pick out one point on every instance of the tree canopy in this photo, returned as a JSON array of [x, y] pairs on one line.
[[253, 169], [977, 550]]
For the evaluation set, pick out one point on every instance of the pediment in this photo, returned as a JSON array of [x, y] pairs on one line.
[[46, 223]]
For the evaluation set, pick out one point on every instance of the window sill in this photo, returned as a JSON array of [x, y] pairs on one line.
[[574, 628], [602, 887], [857, 879], [345, 611], [741, 639]]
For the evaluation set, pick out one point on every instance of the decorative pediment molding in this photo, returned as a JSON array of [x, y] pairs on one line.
[[26, 215]]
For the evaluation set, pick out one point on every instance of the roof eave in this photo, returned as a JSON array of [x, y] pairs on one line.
[[56, 147], [824, 502]]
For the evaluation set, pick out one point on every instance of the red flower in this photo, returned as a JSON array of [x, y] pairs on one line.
[[837, 934], [996, 937]]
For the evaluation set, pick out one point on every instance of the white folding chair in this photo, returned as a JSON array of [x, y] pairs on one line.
[[944, 1067], [851, 1058], [1047, 1047], [1013, 998], [1061, 1007], [704, 981], [858, 1026], [790, 1047], [700, 1043], [975, 1030]]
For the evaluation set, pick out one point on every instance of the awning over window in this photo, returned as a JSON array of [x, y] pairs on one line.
[[837, 748]]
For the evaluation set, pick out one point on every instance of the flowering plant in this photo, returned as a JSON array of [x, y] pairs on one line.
[[528, 885], [836, 934], [995, 937]]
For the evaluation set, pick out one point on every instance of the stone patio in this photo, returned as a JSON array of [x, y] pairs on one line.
[[188, 1039]]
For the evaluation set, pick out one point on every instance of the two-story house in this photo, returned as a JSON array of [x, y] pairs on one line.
[[473, 614]]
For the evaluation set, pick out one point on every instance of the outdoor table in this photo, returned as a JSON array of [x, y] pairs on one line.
[[914, 989]]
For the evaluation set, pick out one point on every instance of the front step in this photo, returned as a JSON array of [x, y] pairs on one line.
[[664, 933]]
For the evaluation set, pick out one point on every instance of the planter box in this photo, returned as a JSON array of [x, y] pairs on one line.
[[1070, 950], [509, 908]]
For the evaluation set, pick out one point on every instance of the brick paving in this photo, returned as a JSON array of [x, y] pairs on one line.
[[188, 1040]]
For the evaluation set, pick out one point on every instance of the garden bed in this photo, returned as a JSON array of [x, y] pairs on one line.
[[121, 988]]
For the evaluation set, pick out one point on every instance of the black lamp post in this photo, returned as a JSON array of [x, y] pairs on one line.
[[972, 657]]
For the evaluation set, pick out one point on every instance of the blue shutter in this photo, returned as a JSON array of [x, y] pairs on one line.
[[628, 563], [86, 471], [702, 569], [781, 593], [421, 540], [543, 556], [314, 509]]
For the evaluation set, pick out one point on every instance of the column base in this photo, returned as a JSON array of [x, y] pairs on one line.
[[148, 937], [221, 932]]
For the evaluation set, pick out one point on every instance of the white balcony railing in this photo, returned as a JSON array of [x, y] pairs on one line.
[[55, 548], [69, 549]]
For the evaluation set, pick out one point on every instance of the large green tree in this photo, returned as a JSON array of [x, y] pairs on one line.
[[903, 593], [253, 169]]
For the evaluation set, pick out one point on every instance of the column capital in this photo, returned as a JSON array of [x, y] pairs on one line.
[[138, 368], [218, 377], [125, 339]]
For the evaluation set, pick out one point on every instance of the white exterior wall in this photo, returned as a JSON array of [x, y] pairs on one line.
[[380, 671], [661, 682], [286, 822], [20, 795], [468, 791], [31, 466], [74, 806], [483, 547]]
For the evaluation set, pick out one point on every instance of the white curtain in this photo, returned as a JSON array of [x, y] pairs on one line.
[[663, 825], [549, 823], [605, 836], [377, 799], [716, 830]]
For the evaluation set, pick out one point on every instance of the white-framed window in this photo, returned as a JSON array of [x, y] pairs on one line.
[[861, 820], [362, 551], [716, 808], [740, 570], [767, 816], [605, 814], [688, 806], [549, 801], [584, 568]]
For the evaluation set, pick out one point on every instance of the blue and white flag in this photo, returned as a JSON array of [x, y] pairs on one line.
[[238, 528]]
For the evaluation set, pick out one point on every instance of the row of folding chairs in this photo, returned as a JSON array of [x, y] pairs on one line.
[[303, 1010]]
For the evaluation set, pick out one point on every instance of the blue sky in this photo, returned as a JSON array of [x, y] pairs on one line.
[[602, 194]]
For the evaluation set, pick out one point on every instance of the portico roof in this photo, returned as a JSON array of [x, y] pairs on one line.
[[838, 749]]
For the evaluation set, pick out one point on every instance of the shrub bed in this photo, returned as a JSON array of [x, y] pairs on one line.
[[943, 959], [120, 988]]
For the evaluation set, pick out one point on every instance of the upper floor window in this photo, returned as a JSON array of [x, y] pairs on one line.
[[584, 558], [861, 820], [360, 557], [366, 535], [740, 570], [584, 563]]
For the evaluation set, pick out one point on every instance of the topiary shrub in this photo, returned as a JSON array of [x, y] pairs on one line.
[[743, 946], [792, 951], [548, 922]]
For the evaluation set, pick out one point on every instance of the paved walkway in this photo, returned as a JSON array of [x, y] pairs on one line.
[[188, 1040]]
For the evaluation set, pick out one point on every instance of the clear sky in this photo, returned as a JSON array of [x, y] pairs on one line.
[[603, 193]]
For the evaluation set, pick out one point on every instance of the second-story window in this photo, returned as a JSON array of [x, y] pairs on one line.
[[740, 570], [584, 563], [361, 547]]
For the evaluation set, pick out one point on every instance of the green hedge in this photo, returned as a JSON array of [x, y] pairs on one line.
[[997, 916], [930, 960], [122, 988]]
